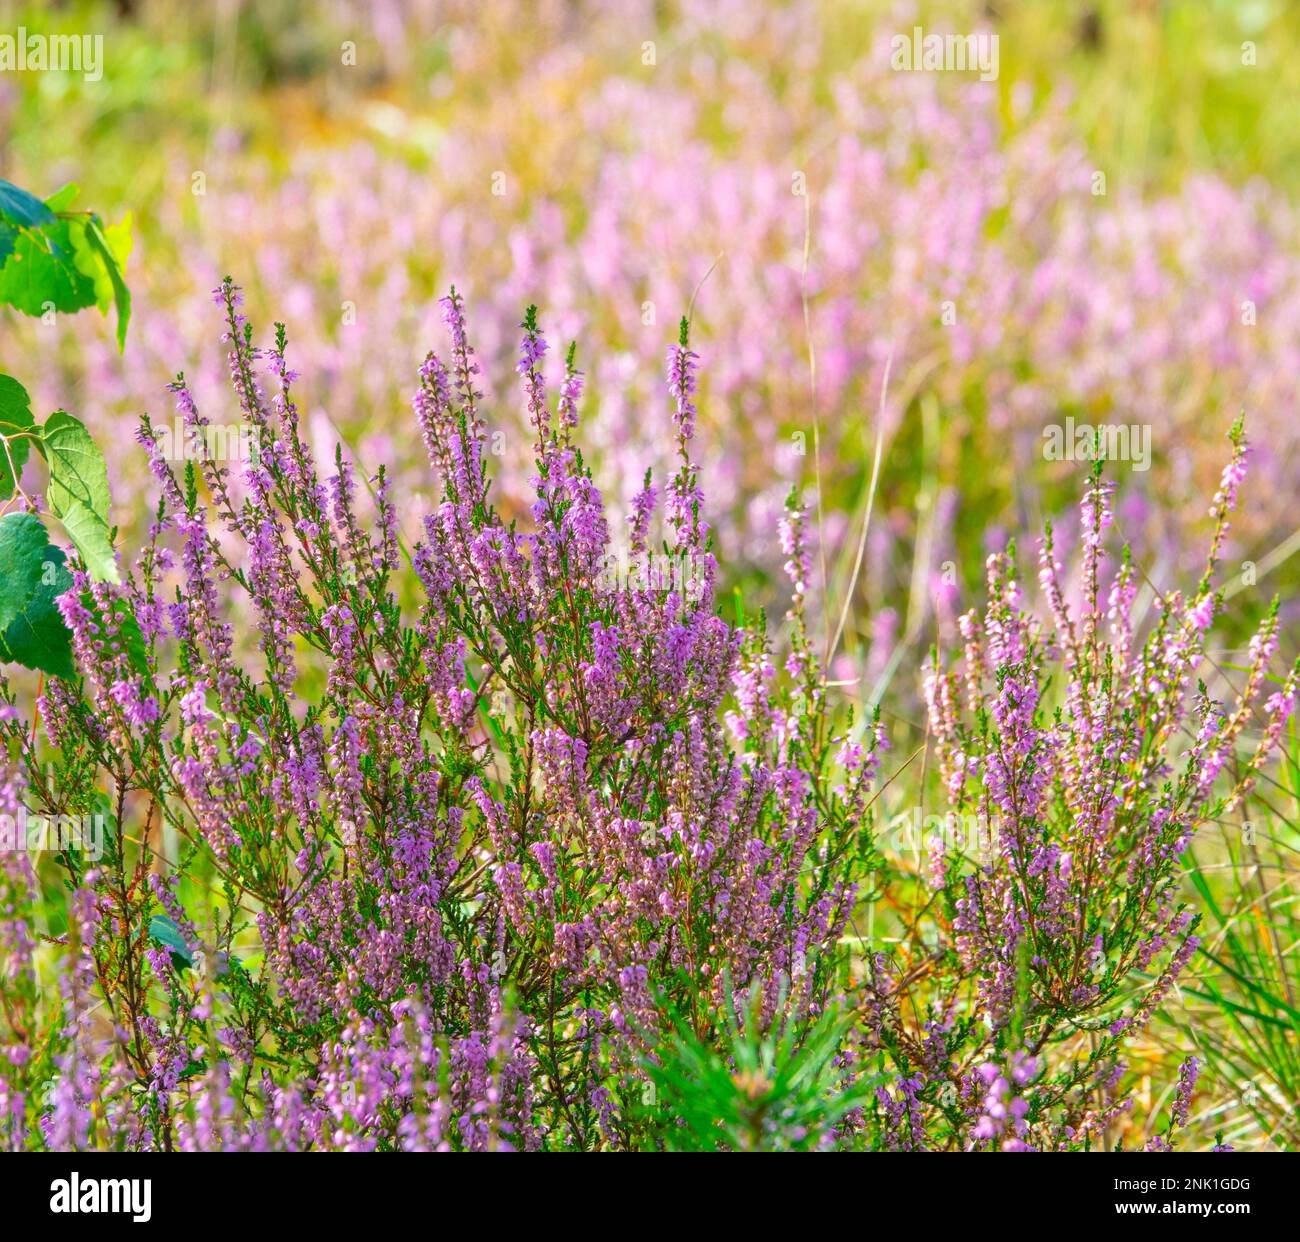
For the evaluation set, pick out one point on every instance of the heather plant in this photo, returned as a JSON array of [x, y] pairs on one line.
[[415, 849], [1087, 756], [436, 808], [508, 840]]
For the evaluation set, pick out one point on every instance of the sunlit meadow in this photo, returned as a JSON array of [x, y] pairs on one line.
[[662, 577]]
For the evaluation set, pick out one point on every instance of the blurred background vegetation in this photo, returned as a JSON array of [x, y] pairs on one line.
[[269, 104], [1157, 84]]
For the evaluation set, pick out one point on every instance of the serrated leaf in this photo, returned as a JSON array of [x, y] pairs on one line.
[[53, 258], [15, 419], [77, 470], [23, 542], [32, 577], [40, 275], [41, 271], [90, 537], [22, 208], [15, 404], [37, 638]]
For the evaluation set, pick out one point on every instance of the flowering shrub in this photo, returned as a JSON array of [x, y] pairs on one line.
[[476, 844], [479, 846], [1059, 914]]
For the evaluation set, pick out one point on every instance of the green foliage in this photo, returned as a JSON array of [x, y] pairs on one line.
[[117, 616], [19, 209], [166, 933], [78, 491], [22, 550], [90, 536], [1242, 1006], [15, 424], [55, 258], [774, 1089], [32, 576]]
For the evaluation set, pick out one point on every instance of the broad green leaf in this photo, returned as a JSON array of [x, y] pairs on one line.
[[41, 271], [15, 404], [88, 260], [23, 544], [13, 457], [37, 637], [90, 537], [78, 491], [22, 208], [15, 419], [54, 258], [33, 576], [118, 239], [77, 470], [39, 275]]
